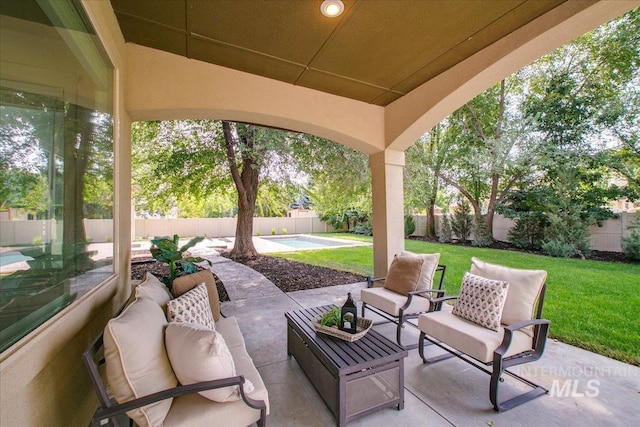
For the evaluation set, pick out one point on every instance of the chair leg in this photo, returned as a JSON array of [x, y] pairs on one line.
[[263, 418], [421, 347], [496, 375]]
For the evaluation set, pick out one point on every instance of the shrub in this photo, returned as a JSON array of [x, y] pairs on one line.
[[567, 230], [284, 231], [528, 231], [409, 225], [558, 248], [462, 222], [444, 233], [482, 236], [273, 231], [365, 228], [631, 245], [37, 240]]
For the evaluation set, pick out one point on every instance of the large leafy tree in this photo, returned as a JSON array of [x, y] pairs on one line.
[[200, 164], [424, 162], [488, 149], [180, 161]]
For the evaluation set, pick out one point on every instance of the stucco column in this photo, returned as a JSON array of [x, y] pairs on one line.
[[388, 208]]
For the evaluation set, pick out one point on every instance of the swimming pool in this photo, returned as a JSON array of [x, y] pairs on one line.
[[300, 241]]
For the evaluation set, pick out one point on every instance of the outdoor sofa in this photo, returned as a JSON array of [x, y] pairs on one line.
[[166, 366]]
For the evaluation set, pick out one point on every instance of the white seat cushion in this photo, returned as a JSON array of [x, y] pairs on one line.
[[246, 368], [390, 301], [469, 338], [194, 410]]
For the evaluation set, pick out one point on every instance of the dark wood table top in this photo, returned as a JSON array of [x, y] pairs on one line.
[[339, 356]]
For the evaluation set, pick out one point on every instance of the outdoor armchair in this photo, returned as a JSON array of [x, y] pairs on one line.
[[406, 291], [496, 322]]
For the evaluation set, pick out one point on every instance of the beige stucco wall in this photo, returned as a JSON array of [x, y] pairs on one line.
[[42, 379], [165, 86]]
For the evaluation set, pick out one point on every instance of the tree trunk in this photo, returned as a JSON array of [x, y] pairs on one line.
[[431, 217], [243, 247], [246, 183], [78, 131], [431, 223]]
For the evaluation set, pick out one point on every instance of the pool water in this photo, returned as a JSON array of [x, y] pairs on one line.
[[306, 242]]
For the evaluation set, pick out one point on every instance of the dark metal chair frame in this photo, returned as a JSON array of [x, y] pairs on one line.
[[109, 409], [500, 364], [402, 316]]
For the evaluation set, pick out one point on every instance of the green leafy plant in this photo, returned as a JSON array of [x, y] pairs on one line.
[[167, 251], [631, 244], [273, 231], [409, 225], [461, 221], [445, 232], [284, 231], [332, 318], [481, 233]]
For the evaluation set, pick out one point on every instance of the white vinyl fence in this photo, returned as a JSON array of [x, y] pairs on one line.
[[605, 238], [28, 232]]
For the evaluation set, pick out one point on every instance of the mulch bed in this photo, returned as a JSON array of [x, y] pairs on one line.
[[291, 276], [287, 275], [594, 255]]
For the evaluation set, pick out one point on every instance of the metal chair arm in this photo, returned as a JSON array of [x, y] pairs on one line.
[[510, 329], [103, 413], [371, 280]]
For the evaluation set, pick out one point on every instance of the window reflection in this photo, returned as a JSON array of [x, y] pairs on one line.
[[56, 163]]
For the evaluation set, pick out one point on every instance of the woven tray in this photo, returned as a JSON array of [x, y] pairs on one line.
[[362, 328]]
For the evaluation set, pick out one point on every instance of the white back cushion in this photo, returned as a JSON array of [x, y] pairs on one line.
[[428, 270], [152, 287], [136, 359], [524, 288]]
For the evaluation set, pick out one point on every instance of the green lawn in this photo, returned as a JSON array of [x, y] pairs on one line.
[[591, 304]]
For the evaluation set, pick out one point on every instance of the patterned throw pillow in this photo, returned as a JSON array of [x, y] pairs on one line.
[[481, 300], [192, 307]]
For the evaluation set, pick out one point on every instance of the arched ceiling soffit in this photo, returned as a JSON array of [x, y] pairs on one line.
[[165, 86], [411, 116]]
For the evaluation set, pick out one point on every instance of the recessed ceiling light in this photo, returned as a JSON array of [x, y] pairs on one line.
[[332, 8]]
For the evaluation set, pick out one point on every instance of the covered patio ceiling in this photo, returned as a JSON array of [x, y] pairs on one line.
[[375, 52], [375, 78]]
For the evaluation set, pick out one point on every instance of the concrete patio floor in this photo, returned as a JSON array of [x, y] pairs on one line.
[[586, 389]]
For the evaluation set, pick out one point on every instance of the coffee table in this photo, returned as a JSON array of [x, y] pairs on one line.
[[353, 378]]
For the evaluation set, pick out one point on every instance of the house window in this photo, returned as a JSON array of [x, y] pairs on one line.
[[56, 162]]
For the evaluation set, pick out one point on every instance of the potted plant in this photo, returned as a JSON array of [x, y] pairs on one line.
[[167, 251]]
